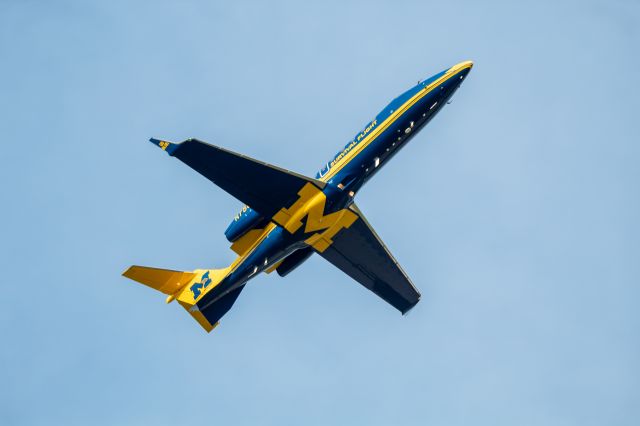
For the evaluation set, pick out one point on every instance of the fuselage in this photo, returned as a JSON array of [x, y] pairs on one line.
[[343, 176]]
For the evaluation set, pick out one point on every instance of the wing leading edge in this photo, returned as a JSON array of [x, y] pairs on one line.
[[360, 253]]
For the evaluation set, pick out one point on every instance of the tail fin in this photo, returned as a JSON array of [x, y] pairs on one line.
[[186, 287]]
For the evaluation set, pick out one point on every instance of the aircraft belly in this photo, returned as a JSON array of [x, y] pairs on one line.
[[274, 247]]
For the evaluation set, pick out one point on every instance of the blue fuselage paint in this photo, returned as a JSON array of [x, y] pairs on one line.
[[419, 105]]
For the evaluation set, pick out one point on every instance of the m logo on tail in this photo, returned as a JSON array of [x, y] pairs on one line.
[[197, 288]]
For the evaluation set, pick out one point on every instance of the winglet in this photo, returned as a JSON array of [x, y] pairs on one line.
[[165, 145]]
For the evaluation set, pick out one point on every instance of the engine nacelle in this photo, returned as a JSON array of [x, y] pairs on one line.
[[244, 221]]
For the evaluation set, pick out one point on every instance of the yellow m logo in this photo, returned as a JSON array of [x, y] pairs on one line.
[[310, 204]]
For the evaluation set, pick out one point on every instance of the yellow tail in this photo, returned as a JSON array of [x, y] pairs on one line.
[[186, 287]]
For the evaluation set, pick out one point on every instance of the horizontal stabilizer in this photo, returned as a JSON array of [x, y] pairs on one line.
[[163, 280], [187, 288], [264, 187]]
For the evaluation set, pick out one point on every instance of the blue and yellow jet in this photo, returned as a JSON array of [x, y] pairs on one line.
[[293, 216]]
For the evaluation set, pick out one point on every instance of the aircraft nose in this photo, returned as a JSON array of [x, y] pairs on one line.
[[453, 78], [455, 75], [461, 69]]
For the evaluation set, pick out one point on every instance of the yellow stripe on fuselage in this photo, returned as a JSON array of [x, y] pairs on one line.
[[392, 118]]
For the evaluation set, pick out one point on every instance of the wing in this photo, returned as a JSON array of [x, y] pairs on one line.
[[264, 187], [361, 254]]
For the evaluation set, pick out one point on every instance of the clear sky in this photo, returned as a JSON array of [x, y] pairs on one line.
[[516, 213]]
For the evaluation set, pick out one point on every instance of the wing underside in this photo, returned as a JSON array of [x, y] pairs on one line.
[[263, 187], [360, 253]]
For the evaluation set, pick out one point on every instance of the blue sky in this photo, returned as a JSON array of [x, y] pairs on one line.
[[515, 212]]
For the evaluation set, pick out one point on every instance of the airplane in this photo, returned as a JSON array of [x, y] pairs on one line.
[[288, 217]]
